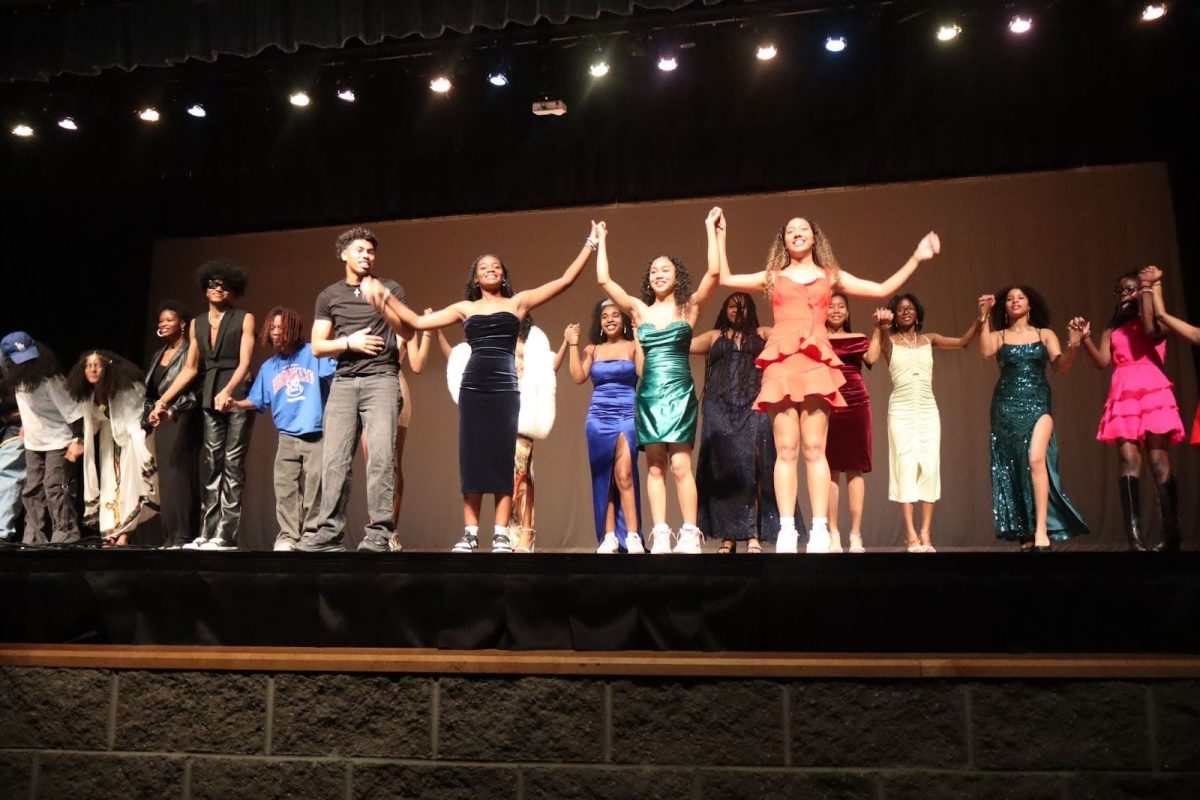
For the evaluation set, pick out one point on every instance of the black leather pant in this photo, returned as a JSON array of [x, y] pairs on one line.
[[226, 442]]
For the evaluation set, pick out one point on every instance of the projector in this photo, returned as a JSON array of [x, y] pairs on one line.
[[549, 108]]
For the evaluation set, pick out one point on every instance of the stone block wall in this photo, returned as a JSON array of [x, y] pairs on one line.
[[84, 733]]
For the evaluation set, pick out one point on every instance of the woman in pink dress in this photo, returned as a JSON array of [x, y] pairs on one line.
[[801, 373], [1141, 412]]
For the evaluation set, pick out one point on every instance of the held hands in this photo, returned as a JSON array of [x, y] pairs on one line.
[[599, 230], [365, 342], [1078, 329], [928, 247], [986, 301], [571, 334], [223, 401], [374, 292], [1149, 276], [715, 219], [883, 318]]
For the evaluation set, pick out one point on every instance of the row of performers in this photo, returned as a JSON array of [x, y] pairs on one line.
[[774, 397]]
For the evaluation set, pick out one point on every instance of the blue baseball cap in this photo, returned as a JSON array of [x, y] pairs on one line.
[[19, 347]]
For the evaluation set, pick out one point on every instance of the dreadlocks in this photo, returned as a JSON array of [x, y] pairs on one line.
[[293, 329]]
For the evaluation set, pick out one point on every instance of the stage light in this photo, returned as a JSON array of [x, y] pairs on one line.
[[68, 124], [766, 51], [299, 99], [498, 79], [949, 32], [598, 69], [1153, 11], [835, 44], [441, 84], [149, 114], [1020, 25], [196, 110], [22, 130], [346, 94], [668, 63]]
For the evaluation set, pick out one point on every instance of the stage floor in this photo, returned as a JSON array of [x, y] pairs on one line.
[[878, 602]]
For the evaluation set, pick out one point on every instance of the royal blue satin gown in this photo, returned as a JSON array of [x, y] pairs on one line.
[[611, 416]]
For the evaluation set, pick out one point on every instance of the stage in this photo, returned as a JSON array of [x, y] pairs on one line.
[[1003, 603]]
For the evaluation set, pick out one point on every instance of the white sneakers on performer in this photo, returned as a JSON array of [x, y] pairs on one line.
[[633, 543], [660, 540], [856, 545], [217, 543], [788, 541], [610, 544], [501, 542], [195, 544], [469, 543], [818, 541], [284, 546], [689, 540]]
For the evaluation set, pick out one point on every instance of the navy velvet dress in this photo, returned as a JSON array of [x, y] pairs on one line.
[[488, 404]]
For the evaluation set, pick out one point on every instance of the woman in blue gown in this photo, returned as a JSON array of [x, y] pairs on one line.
[[612, 443], [488, 400]]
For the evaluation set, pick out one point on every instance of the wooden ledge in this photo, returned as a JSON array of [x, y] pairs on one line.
[[628, 663]]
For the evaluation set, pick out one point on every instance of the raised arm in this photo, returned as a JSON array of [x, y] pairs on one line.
[[625, 301], [418, 352], [1061, 359], [1150, 282], [562, 351], [1179, 326], [989, 340], [959, 342], [751, 282], [881, 338], [703, 343], [532, 298], [245, 353], [1100, 356], [187, 373], [927, 248], [714, 225]]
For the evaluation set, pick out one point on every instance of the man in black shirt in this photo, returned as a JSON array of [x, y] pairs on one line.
[[365, 394]]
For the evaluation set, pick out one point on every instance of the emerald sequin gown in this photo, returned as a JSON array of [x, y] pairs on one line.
[[1020, 399], [666, 406]]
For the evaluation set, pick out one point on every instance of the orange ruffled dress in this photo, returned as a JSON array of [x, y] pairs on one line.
[[798, 360]]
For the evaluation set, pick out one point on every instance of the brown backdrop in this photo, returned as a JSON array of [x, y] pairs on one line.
[[1067, 233]]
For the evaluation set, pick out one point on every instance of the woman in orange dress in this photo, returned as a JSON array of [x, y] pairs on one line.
[[801, 378]]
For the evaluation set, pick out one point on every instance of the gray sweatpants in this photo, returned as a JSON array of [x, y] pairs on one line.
[[49, 492], [297, 484]]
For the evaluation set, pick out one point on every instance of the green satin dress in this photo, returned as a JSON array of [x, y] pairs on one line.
[[666, 397], [1020, 399]]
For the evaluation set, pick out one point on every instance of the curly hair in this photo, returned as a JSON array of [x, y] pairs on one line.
[[119, 375], [33, 373], [1039, 311], [472, 290], [744, 327], [1127, 310], [178, 309], [226, 271], [845, 325], [894, 303], [596, 333], [822, 253], [354, 234], [293, 328], [683, 282]]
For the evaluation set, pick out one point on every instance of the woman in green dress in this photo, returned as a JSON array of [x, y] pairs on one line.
[[666, 407], [1028, 503]]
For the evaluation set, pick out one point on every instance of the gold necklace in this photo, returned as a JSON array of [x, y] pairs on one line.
[[909, 343]]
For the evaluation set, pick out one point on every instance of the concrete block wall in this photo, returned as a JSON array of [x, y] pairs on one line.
[[196, 735]]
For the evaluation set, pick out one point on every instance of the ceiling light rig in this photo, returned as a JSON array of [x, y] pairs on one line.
[[346, 94], [1020, 24], [948, 32], [197, 110], [498, 78], [22, 131], [835, 44], [766, 51], [68, 124], [1153, 11], [668, 62], [149, 114], [441, 85], [300, 99], [599, 68]]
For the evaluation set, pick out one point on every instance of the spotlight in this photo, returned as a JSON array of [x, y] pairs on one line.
[[835, 44], [300, 99], [498, 79], [1020, 25], [22, 130], [148, 114], [668, 63], [196, 110], [948, 33], [598, 69], [68, 124], [346, 94], [1153, 11], [766, 51], [441, 84]]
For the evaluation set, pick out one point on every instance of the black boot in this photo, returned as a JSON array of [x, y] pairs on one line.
[[1168, 502], [1130, 507]]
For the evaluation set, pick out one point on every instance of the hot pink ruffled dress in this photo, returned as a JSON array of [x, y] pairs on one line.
[[1140, 399], [798, 360]]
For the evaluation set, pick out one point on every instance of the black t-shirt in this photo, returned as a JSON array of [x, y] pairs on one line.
[[344, 306]]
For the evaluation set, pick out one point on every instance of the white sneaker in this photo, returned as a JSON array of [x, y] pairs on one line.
[[835, 542], [788, 541], [856, 545], [501, 542], [818, 542], [469, 543], [660, 541], [610, 544], [217, 543], [195, 544], [689, 540], [633, 543], [284, 546]]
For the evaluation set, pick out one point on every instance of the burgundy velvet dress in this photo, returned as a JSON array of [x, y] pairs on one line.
[[848, 445]]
